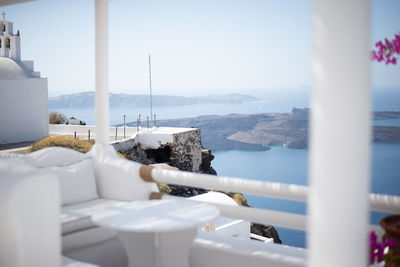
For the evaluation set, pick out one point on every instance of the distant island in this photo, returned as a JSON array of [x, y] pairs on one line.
[[87, 100], [259, 131]]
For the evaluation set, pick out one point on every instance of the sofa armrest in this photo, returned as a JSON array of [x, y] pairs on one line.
[[29, 225], [118, 178]]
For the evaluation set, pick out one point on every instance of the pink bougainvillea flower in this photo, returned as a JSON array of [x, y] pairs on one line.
[[387, 51], [379, 44], [376, 250]]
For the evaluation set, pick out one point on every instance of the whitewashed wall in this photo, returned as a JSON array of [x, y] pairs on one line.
[[23, 110]]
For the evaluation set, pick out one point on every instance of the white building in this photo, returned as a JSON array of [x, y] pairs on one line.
[[23, 93]]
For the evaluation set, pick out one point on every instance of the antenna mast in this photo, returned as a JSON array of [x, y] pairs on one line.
[[151, 93]]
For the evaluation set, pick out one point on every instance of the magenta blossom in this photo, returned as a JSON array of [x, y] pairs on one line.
[[376, 249], [387, 51]]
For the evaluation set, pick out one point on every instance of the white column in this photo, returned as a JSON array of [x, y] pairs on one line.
[[15, 49], [102, 97], [340, 134]]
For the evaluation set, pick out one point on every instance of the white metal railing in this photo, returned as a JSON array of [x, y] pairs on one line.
[[116, 132], [383, 203]]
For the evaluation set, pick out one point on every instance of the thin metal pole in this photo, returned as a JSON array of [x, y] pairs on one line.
[[124, 126], [151, 90], [116, 132], [139, 119], [154, 122], [148, 125], [88, 134], [137, 125], [75, 134]]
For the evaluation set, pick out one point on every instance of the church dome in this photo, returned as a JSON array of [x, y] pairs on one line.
[[10, 70]]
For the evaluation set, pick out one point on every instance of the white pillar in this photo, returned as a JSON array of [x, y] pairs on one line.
[[102, 95], [15, 49], [340, 134]]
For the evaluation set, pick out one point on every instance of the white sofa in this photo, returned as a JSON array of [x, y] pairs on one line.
[[89, 184], [29, 208]]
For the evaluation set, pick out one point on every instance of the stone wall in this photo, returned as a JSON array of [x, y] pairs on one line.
[[186, 151], [183, 151]]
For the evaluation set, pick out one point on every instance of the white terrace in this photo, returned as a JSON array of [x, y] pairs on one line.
[[106, 221]]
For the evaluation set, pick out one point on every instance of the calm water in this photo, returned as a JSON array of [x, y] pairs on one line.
[[290, 166]]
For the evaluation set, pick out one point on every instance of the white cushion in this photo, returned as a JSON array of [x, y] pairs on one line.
[[15, 166], [78, 216], [85, 239], [67, 262], [72, 222], [53, 156], [77, 181]]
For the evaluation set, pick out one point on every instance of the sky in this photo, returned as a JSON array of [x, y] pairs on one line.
[[197, 47]]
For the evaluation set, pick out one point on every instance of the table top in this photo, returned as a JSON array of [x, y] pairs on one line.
[[157, 215]]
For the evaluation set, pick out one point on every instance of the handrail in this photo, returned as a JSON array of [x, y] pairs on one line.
[[378, 202], [261, 216], [266, 217], [230, 184]]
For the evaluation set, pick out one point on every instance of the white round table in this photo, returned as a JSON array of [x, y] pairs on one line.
[[157, 232]]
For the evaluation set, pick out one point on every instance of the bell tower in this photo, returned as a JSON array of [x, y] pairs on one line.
[[10, 43]]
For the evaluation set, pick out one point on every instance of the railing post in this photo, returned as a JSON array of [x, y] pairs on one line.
[[148, 125], [74, 134], [88, 134], [116, 133], [124, 127], [154, 124], [340, 134]]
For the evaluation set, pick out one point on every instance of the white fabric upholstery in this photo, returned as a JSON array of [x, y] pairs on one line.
[[78, 216], [71, 222], [75, 171], [117, 178], [86, 238], [210, 249], [55, 156], [67, 262], [8, 155], [15, 166], [109, 253], [77, 181], [29, 236]]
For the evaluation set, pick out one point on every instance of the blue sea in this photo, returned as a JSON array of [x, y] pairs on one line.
[[287, 165], [278, 164]]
